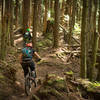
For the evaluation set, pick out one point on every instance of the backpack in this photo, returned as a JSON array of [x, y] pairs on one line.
[[27, 35], [27, 52]]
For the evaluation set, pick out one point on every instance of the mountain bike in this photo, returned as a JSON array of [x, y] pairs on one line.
[[29, 80]]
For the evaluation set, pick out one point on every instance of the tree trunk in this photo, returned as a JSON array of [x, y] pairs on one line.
[[95, 42], [62, 11], [3, 35], [16, 13], [56, 25], [40, 16], [35, 22], [7, 11], [98, 74], [94, 51], [51, 8], [79, 11], [20, 13], [83, 40], [88, 38], [67, 7], [26, 14], [45, 18], [72, 20], [11, 23], [63, 8], [99, 24]]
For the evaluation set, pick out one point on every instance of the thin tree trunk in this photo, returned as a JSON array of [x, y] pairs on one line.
[[67, 10], [11, 23], [3, 35], [72, 20], [26, 14], [63, 9], [95, 43], [56, 25], [94, 48], [51, 7], [99, 24], [16, 13], [83, 40], [88, 38], [40, 16], [45, 18], [8, 23], [79, 11], [98, 74], [21, 13], [35, 22]]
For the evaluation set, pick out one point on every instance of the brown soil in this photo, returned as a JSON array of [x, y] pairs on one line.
[[50, 65]]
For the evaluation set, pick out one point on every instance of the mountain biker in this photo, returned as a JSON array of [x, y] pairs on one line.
[[27, 36], [26, 59]]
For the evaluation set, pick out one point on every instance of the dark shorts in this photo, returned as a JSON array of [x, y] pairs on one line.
[[25, 66]]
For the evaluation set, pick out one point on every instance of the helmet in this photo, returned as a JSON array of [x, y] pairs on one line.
[[29, 45], [28, 29]]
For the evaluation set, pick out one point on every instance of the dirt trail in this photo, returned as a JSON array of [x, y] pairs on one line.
[[52, 65]]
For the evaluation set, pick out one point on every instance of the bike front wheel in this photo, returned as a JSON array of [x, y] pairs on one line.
[[27, 86]]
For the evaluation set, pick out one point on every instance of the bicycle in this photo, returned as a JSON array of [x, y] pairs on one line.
[[29, 80]]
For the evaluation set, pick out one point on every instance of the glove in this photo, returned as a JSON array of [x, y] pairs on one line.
[[38, 60]]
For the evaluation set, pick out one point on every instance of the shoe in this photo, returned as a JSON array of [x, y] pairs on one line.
[[33, 74]]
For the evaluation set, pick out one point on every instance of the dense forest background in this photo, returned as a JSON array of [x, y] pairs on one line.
[[67, 29]]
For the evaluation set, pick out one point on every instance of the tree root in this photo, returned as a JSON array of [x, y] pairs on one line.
[[34, 97], [49, 91]]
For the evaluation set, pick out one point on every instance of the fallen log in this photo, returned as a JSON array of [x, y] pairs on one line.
[[19, 29], [88, 89], [67, 52], [76, 40], [73, 45]]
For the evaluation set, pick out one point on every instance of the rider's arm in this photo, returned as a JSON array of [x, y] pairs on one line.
[[37, 55]]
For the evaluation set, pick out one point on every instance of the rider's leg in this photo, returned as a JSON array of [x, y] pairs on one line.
[[32, 67], [25, 68]]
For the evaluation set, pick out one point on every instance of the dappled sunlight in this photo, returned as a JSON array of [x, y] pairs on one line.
[[17, 41], [49, 48]]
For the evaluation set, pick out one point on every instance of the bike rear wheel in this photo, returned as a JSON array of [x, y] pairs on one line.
[[33, 77], [29, 80], [27, 86], [35, 83]]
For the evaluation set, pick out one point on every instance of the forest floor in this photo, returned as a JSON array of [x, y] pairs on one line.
[[51, 65]]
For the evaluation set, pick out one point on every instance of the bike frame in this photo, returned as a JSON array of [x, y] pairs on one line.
[[28, 82]]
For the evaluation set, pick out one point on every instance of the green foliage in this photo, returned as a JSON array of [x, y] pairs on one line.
[[44, 43], [50, 82], [57, 80], [51, 13], [34, 97], [51, 19], [40, 62], [93, 86], [1, 76], [47, 91], [77, 29], [70, 73], [60, 1], [57, 83]]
